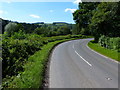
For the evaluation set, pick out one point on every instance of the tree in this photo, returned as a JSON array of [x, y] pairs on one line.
[[4, 23], [44, 30], [10, 28], [106, 20], [64, 30], [83, 15], [39, 31], [76, 30]]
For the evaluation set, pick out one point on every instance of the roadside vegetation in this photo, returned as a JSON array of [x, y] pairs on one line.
[[34, 68], [114, 54], [101, 20]]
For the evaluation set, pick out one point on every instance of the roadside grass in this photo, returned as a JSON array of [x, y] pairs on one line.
[[107, 52], [34, 72]]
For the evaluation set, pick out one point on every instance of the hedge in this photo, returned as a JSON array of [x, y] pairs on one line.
[[110, 42]]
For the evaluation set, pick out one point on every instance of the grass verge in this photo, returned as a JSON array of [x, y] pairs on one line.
[[34, 72], [107, 52]]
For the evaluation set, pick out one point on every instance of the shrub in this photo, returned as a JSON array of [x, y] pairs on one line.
[[19, 35], [110, 43], [20, 46]]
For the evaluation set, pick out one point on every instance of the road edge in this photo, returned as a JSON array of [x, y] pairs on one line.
[[101, 54], [47, 67]]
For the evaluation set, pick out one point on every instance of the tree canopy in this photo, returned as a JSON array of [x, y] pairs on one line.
[[98, 18]]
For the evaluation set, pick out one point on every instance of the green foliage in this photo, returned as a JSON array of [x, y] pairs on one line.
[[76, 30], [19, 47], [4, 23], [107, 52], [98, 19], [64, 30], [53, 30], [83, 15], [106, 19], [10, 28], [39, 31], [110, 43], [15, 52], [85, 31], [33, 67], [29, 28], [19, 35], [16, 49]]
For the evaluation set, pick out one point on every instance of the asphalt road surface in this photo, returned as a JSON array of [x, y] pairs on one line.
[[74, 65]]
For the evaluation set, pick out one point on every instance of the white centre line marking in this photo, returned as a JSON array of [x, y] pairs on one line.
[[83, 59]]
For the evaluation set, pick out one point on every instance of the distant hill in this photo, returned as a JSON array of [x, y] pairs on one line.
[[60, 23]]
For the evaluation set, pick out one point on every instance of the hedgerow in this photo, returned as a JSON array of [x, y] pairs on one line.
[[16, 50], [110, 43]]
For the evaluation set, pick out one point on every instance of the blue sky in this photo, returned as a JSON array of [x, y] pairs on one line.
[[31, 12]]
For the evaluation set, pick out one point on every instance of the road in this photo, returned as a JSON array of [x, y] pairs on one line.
[[74, 65]]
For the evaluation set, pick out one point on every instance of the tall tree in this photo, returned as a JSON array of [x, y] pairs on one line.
[[10, 28], [106, 20], [83, 15]]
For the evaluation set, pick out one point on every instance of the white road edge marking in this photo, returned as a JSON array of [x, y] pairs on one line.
[[101, 54], [83, 59]]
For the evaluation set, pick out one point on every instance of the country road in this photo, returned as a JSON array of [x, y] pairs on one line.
[[74, 65]]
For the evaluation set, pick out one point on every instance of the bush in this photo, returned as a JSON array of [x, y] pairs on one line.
[[28, 72], [110, 43], [19, 35], [15, 52], [17, 49], [20, 46]]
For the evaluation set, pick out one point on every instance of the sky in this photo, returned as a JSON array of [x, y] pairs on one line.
[[31, 12]]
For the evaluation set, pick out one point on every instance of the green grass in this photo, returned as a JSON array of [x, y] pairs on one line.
[[33, 75], [107, 52]]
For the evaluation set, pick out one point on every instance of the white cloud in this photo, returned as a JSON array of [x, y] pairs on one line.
[[77, 1], [8, 1], [34, 16], [51, 11], [71, 10]]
